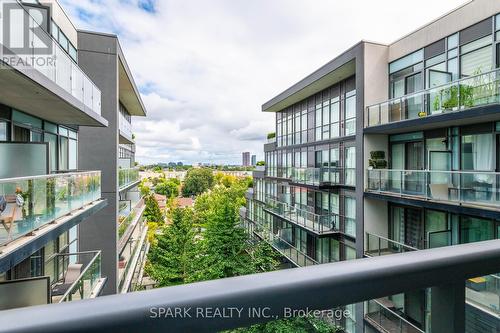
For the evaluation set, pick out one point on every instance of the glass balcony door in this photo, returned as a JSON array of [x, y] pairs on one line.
[[408, 156], [436, 79], [413, 83], [406, 226]]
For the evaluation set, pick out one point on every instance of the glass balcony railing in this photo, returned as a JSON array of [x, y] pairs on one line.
[[283, 246], [382, 317], [460, 187], [482, 291], [124, 125], [461, 95], [74, 276], [324, 176], [33, 202], [315, 222], [42, 53], [379, 246], [127, 177]]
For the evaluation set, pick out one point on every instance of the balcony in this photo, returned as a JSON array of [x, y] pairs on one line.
[[379, 246], [42, 68], [458, 96], [131, 245], [466, 188], [79, 279], [297, 257], [66, 277], [387, 320], [125, 128], [324, 177], [127, 178], [44, 200], [483, 292], [320, 224]]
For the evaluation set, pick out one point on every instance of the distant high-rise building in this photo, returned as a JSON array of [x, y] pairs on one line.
[[246, 158], [254, 160]]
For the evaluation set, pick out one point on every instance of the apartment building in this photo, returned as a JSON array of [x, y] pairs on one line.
[[245, 158], [119, 230], [389, 149], [45, 100]]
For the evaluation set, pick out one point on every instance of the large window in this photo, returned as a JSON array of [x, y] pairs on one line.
[[350, 166], [350, 216], [475, 230], [350, 113], [477, 152], [476, 57]]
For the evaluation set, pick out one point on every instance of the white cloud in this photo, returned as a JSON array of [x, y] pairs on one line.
[[206, 67]]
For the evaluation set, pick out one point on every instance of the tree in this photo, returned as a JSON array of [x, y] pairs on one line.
[[290, 325], [197, 181], [171, 258], [168, 188], [152, 212], [261, 163], [144, 190]]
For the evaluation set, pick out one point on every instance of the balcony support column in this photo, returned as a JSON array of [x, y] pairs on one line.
[[448, 308]]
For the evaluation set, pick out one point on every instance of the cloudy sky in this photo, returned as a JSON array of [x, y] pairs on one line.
[[205, 67]]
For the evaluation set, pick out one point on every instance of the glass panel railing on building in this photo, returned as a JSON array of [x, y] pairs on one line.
[[33, 202], [318, 176], [378, 246], [461, 187], [381, 316], [124, 125], [482, 291], [30, 47], [81, 278], [282, 245], [127, 177], [461, 95], [70, 277], [315, 222]]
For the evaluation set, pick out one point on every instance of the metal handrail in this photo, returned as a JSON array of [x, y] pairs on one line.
[[392, 241], [435, 87], [52, 175], [475, 172], [70, 289], [396, 315], [315, 287]]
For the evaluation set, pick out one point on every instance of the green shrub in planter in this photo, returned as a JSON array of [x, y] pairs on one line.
[[377, 160]]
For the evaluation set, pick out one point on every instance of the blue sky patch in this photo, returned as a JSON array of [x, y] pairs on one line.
[[148, 5]]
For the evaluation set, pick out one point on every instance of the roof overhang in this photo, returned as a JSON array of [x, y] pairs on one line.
[[30, 91], [338, 69], [310, 86], [128, 93]]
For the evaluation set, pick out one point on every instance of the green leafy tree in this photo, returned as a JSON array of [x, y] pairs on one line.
[[152, 212], [290, 325], [197, 181], [171, 257], [168, 188]]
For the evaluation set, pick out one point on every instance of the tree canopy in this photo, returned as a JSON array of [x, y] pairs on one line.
[[197, 181], [168, 187]]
